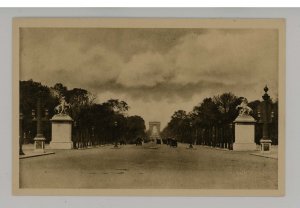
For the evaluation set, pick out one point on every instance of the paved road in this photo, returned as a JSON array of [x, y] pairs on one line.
[[144, 167]]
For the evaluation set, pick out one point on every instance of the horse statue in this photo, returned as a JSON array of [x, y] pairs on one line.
[[62, 107], [243, 108]]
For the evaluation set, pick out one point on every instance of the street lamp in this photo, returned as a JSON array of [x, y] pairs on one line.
[[75, 140], [39, 140], [230, 147], [266, 117], [93, 135], [191, 140], [219, 132], [21, 139], [115, 133]]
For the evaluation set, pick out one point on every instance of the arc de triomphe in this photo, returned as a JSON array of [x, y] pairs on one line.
[[154, 130]]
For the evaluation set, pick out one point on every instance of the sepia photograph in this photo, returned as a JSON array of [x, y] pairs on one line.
[[148, 106]]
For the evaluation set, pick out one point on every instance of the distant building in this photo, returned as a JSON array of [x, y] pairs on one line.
[[154, 131]]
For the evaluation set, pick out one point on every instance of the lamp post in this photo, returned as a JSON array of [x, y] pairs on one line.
[[39, 140], [21, 139], [75, 135], [191, 140], [231, 139], [219, 135], [265, 117], [115, 133], [93, 136]]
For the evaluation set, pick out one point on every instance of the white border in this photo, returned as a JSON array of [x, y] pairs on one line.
[[152, 3], [292, 114]]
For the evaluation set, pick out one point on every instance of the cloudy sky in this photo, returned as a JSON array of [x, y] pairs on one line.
[[156, 71]]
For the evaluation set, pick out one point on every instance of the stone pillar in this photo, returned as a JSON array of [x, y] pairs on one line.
[[244, 133], [61, 132], [266, 119], [39, 140]]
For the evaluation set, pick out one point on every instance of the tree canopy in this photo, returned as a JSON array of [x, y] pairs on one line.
[[211, 120], [93, 122]]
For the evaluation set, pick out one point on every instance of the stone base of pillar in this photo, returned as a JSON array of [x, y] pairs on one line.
[[265, 145], [39, 144], [244, 146], [61, 145]]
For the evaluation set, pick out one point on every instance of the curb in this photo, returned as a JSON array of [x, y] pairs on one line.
[[35, 155], [265, 156]]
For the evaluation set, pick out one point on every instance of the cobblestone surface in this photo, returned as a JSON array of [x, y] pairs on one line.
[[143, 167]]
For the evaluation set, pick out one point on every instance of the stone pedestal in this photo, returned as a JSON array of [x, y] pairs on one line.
[[265, 145], [61, 132], [39, 144], [244, 133]]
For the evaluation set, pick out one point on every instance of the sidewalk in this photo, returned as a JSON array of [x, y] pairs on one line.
[[28, 150], [272, 154]]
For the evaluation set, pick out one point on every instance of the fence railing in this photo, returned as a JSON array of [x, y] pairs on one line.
[[223, 136]]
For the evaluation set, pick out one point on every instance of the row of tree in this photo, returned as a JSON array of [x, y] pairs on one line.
[[211, 122], [94, 123]]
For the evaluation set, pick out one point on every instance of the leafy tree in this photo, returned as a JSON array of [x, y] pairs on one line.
[[93, 123], [117, 106], [79, 99], [226, 104], [30, 92], [179, 126], [59, 90], [208, 111], [255, 106], [135, 128]]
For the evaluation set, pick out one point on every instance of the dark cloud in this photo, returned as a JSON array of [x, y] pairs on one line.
[[163, 91], [157, 66]]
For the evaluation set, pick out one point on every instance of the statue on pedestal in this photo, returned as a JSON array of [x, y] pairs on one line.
[[244, 109], [61, 127], [244, 128], [62, 107]]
